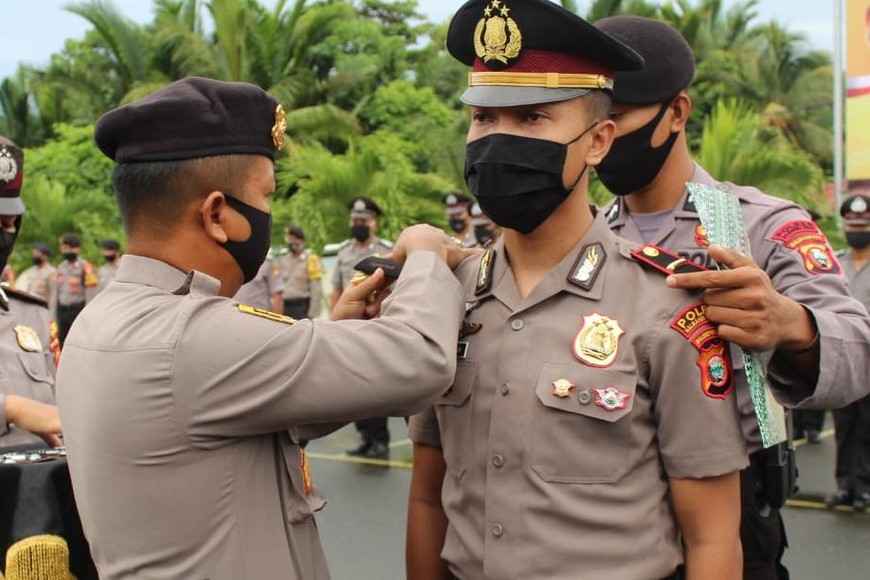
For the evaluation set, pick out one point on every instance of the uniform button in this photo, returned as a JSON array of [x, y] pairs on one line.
[[504, 389], [498, 460], [517, 324], [585, 397], [497, 530]]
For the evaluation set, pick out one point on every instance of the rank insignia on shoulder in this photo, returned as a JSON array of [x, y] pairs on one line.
[[588, 265], [664, 261], [562, 388], [484, 272], [714, 357], [597, 343], [611, 399], [805, 237], [244, 308], [27, 338]]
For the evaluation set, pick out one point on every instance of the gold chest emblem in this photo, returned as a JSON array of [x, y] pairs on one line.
[[279, 128], [497, 36], [27, 338], [597, 343]]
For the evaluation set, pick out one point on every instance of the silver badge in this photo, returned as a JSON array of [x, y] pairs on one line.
[[8, 166], [858, 205], [359, 205]]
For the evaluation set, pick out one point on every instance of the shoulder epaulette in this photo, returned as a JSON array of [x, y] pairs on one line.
[[842, 253], [345, 243], [663, 261], [25, 296], [386, 243]]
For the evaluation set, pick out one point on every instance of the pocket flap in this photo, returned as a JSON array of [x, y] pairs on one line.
[[463, 382], [35, 365], [604, 394]]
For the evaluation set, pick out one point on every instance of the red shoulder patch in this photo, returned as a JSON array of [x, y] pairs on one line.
[[714, 356], [805, 237], [54, 342]]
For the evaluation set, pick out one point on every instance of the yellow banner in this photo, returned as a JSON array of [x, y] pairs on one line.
[[857, 90]]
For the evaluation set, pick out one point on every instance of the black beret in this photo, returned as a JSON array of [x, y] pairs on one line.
[[11, 177], [39, 246], [296, 231], [532, 51], [71, 240], [855, 210], [191, 118], [669, 63], [110, 245], [363, 207]]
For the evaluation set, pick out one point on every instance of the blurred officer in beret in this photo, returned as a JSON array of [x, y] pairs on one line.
[[457, 206], [184, 454], [111, 251], [40, 278], [852, 422], [485, 230], [303, 276], [27, 348], [789, 297], [590, 431], [364, 214]]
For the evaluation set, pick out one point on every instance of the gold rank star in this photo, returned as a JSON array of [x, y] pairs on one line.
[[487, 11], [496, 3], [505, 11]]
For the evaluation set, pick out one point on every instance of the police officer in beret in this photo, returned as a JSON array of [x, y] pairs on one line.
[[591, 430], [852, 422], [303, 276], [789, 297], [184, 455], [39, 279], [457, 206], [364, 214], [111, 252], [27, 413], [485, 230]]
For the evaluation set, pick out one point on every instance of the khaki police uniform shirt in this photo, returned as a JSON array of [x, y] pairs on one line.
[[258, 292], [303, 275], [26, 362], [76, 283], [106, 273], [801, 265], [859, 280], [183, 447], [349, 256], [39, 282], [545, 486]]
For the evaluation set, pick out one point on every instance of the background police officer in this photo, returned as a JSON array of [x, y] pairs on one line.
[[40, 278], [303, 276], [77, 283], [457, 206], [266, 290], [111, 252]]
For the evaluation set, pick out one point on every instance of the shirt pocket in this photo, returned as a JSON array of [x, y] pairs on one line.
[[39, 375], [584, 436], [453, 410], [300, 498]]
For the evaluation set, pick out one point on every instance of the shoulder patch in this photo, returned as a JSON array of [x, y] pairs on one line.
[[714, 356], [661, 260], [90, 277], [54, 341], [245, 309], [25, 296], [386, 243], [805, 237], [315, 269], [484, 272]]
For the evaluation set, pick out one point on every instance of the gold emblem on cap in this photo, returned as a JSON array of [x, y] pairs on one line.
[[562, 388], [497, 36], [279, 128], [598, 340], [8, 167], [27, 338], [858, 205]]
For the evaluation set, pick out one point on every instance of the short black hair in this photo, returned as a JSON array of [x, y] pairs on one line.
[[72, 240], [157, 193], [110, 244]]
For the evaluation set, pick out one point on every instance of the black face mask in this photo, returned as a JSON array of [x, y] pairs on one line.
[[483, 235], [858, 240], [109, 258], [633, 162], [360, 232], [456, 224], [7, 242], [518, 180], [70, 256], [37, 261], [251, 253]]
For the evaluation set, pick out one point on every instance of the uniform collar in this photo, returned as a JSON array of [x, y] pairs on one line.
[[150, 272]]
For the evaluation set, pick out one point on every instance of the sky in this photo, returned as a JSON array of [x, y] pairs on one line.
[[32, 31]]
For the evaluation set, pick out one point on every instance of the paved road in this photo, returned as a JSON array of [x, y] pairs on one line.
[[364, 523]]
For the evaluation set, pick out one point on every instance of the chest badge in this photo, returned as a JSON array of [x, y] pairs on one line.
[[611, 398], [27, 338], [597, 342], [562, 388]]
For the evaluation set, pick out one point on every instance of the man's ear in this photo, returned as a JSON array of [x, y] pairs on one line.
[[602, 139], [681, 108], [213, 212]]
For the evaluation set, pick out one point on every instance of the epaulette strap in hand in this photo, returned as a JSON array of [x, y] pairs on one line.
[[664, 261], [25, 296]]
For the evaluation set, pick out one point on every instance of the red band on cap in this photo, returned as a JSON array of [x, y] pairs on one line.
[[545, 61], [14, 185]]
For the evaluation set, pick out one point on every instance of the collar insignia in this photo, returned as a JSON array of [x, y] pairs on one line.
[[484, 273], [588, 265]]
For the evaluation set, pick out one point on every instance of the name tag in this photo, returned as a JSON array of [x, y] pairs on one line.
[[462, 350]]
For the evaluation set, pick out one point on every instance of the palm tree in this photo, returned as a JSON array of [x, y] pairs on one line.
[[17, 121]]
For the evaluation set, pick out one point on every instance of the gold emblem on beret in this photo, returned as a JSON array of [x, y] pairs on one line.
[[279, 128], [8, 166], [497, 36], [27, 338]]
